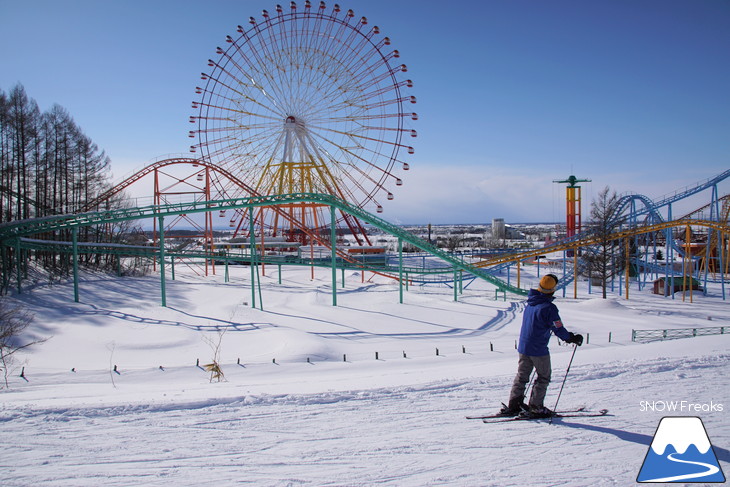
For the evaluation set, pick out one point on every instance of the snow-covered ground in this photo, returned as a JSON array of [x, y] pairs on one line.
[[309, 403]]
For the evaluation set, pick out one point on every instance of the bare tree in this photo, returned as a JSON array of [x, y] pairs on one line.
[[13, 321], [48, 166], [605, 259], [216, 372], [453, 241]]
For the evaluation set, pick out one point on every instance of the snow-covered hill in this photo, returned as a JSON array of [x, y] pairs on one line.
[[306, 402]]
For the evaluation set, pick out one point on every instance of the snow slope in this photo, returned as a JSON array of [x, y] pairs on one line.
[[327, 412]]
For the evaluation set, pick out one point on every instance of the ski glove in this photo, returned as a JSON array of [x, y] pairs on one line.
[[577, 339]]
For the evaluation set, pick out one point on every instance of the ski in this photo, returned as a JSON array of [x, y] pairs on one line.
[[577, 414], [497, 416]]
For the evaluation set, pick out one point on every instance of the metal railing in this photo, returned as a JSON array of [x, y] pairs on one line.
[[675, 333]]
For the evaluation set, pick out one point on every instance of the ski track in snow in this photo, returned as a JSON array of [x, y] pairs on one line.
[[414, 435], [363, 422]]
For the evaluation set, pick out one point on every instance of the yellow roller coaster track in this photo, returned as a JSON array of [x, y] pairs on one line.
[[589, 240]]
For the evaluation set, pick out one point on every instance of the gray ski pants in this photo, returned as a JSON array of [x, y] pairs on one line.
[[524, 368]]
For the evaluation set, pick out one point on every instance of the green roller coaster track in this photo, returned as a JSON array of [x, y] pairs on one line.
[[15, 235]]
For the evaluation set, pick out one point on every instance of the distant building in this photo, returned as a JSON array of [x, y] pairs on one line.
[[513, 234], [498, 228], [501, 231]]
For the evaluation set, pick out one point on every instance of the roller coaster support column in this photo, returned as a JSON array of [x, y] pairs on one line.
[[263, 246], [670, 251], [637, 260], [456, 287], [667, 259], [613, 273], [5, 271], [18, 265], [628, 265], [564, 269], [252, 252], [722, 257], [575, 273], [687, 264], [208, 231], [400, 269], [161, 220], [333, 246], [714, 216], [707, 261], [75, 245]]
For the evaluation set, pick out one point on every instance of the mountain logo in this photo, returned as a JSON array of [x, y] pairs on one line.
[[681, 452]]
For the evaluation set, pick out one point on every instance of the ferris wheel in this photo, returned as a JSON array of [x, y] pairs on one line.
[[307, 100]]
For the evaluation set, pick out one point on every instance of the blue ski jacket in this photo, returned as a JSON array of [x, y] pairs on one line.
[[538, 321]]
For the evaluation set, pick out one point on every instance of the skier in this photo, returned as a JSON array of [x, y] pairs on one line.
[[538, 321]]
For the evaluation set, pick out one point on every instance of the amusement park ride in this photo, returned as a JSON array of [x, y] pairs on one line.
[[574, 222], [300, 129], [305, 101]]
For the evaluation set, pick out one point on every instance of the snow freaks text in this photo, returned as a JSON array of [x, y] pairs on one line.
[[680, 407]]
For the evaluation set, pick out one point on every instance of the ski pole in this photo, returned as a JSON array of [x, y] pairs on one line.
[[575, 347], [529, 385]]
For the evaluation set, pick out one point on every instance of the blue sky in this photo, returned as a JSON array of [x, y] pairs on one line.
[[511, 94]]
